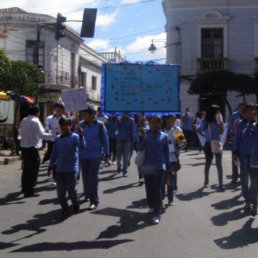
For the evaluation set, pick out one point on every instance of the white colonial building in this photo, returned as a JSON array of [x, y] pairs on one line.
[[207, 35], [67, 63]]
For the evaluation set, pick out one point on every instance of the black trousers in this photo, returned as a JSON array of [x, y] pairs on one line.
[[188, 137], [48, 152], [31, 162], [112, 149]]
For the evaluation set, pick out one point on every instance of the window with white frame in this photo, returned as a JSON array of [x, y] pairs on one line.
[[212, 43]]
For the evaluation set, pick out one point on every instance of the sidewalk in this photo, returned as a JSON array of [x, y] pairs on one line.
[[6, 157]]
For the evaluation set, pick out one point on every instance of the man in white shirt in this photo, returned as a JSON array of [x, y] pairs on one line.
[[52, 125], [32, 133], [101, 117]]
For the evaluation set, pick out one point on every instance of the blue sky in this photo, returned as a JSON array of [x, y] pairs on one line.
[[129, 25]]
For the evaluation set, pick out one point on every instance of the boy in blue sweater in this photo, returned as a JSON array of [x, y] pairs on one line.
[[253, 190], [65, 159]]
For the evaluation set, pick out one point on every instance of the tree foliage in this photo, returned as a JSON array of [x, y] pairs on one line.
[[20, 77], [221, 82]]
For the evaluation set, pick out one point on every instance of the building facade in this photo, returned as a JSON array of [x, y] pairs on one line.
[[210, 35], [67, 63]]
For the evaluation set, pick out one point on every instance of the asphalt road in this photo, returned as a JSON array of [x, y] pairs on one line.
[[203, 223]]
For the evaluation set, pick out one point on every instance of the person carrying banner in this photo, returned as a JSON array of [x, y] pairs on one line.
[[156, 162]]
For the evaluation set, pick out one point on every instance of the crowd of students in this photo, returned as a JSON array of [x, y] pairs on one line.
[[80, 148]]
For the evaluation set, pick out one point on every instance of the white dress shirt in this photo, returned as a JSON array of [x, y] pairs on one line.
[[32, 132], [52, 123]]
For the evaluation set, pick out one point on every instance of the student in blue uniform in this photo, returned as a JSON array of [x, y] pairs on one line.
[[155, 145], [211, 128], [242, 146], [95, 134], [253, 191], [65, 160]]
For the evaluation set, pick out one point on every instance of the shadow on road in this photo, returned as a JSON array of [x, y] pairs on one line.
[[223, 218], [120, 188], [227, 204], [12, 198], [239, 238], [108, 172], [36, 225], [111, 177], [129, 221], [193, 195], [6, 245], [65, 246], [140, 204]]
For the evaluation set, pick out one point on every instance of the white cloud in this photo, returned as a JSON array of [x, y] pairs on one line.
[[141, 44], [99, 44], [73, 10], [106, 19], [130, 1]]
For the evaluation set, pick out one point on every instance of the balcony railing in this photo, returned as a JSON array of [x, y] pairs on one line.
[[211, 64], [51, 77]]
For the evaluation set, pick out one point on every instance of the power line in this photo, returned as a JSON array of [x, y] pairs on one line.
[[124, 5], [130, 35]]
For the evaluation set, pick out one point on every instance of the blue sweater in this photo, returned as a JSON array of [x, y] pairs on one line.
[[244, 138], [112, 129], [125, 130], [187, 122], [254, 152], [234, 116], [211, 128], [65, 152], [96, 144], [156, 151]]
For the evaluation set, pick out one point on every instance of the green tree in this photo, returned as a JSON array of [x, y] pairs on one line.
[[5, 70], [221, 82]]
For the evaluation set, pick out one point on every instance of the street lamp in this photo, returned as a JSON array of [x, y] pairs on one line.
[[152, 47]]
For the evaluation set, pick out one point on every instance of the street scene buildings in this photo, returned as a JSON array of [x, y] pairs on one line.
[[211, 35]]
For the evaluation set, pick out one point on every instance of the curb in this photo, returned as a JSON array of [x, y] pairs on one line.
[[7, 161]]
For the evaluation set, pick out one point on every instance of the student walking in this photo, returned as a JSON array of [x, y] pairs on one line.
[[64, 161], [172, 131], [96, 137], [253, 190], [242, 147], [211, 128], [125, 137], [155, 145]]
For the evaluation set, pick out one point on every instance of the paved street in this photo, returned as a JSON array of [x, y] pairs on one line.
[[204, 223]]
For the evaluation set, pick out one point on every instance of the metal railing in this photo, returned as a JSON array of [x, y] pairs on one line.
[[211, 64]]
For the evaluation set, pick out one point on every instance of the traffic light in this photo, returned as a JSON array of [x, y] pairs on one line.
[[88, 23], [60, 27]]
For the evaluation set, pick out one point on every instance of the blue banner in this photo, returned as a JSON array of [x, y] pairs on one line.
[[140, 88]]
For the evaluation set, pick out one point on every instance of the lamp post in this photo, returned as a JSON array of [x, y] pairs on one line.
[[152, 48]]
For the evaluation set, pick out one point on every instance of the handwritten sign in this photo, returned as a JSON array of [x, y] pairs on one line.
[[74, 99], [140, 88]]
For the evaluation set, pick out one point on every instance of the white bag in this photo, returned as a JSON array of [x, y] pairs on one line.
[[216, 146], [139, 159]]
